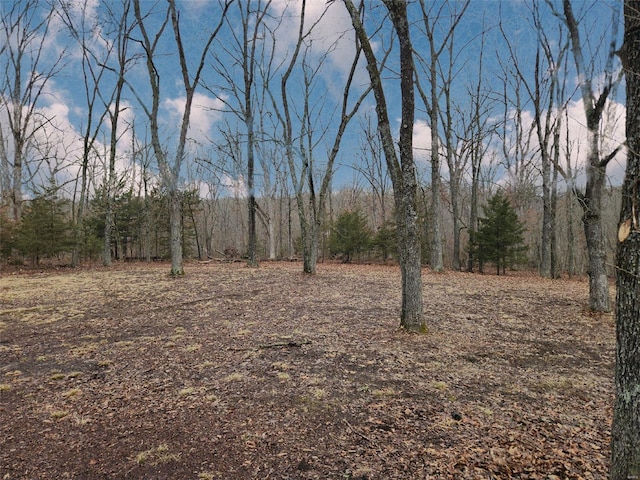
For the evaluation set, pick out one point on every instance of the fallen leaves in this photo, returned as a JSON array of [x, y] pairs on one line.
[[240, 373]]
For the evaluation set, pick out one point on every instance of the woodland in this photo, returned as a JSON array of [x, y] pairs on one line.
[[277, 169], [225, 135]]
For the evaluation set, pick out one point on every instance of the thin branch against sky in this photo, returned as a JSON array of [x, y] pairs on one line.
[[330, 43]]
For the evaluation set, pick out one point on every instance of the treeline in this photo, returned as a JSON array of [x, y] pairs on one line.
[[357, 228], [234, 146]]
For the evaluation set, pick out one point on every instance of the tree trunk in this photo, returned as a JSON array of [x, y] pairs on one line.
[[308, 256], [553, 205], [252, 256], [625, 432], [405, 191], [436, 230], [473, 209], [108, 222], [412, 315], [175, 231], [594, 235], [78, 230], [571, 261], [455, 209], [271, 225], [547, 220], [591, 200], [403, 172]]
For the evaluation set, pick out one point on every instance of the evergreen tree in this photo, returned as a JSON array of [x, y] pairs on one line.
[[7, 227], [499, 240], [349, 235], [44, 230], [385, 240]]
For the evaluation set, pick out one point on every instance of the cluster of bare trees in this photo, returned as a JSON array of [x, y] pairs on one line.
[[282, 102], [274, 105]]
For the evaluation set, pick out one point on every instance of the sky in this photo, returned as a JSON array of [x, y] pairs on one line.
[[491, 23]]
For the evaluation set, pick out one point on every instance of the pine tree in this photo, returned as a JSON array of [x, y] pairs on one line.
[[349, 235], [44, 230], [499, 240], [385, 240]]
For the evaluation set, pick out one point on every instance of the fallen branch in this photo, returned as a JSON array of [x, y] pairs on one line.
[[284, 344], [290, 343], [353, 430]]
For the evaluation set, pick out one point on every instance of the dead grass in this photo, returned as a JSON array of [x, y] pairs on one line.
[[239, 373]]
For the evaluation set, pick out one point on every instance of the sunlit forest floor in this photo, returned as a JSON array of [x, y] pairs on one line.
[[239, 373]]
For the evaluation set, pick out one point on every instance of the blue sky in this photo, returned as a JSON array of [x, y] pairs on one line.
[[332, 43]]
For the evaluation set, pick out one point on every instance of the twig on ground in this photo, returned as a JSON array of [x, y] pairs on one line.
[[290, 343]]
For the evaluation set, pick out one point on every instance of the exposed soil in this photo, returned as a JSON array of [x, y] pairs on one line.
[[239, 373]]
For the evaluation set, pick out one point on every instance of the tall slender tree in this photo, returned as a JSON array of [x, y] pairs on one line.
[[245, 49], [401, 166], [170, 169], [431, 17], [625, 432], [24, 33], [97, 48], [310, 181], [122, 29], [592, 197], [544, 91]]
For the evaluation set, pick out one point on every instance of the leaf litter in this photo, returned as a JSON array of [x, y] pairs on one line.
[[236, 373]]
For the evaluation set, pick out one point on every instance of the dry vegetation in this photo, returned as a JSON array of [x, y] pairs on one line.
[[238, 373]]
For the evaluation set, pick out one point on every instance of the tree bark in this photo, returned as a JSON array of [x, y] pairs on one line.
[[625, 432], [405, 190], [402, 170], [436, 254]]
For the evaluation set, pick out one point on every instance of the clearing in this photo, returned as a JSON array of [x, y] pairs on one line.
[[239, 373]]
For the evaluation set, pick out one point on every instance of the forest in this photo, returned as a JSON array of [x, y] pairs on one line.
[[441, 137], [248, 153]]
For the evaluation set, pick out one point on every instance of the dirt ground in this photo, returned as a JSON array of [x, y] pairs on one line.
[[239, 373]]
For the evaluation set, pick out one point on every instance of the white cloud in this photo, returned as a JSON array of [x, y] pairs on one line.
[[612, 135], [235, 187], [574, 139], [332, 32], [421, 141], [205, 112]]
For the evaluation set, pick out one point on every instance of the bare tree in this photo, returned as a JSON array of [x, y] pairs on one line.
[[458, 142], [170, 169], [311, 192], [517, 137], [123, 28], [475, 139], [545, 91], [245, 51], [402, 169], [98, 44], [28, 70], [469, 129], [625, 431], [371, 165], [431, 20], [81, 30], [591, 198]]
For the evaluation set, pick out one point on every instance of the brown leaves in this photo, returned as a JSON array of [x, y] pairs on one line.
[[268, 373]]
